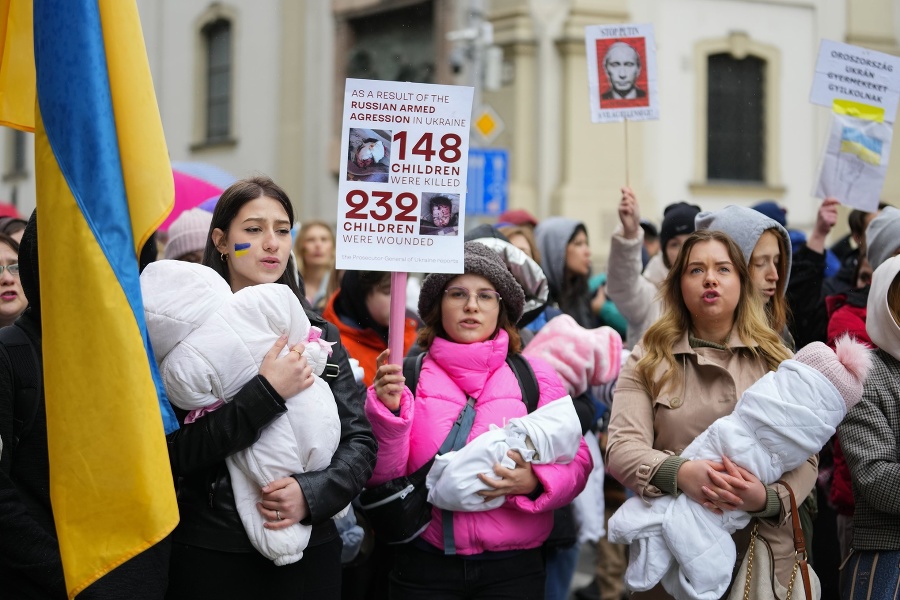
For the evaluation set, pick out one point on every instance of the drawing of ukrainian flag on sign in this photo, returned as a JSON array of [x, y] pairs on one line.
[[867, 148], [241, 249]]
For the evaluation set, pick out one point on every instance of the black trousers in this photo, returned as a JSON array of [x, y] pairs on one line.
[[423, 575], [199, 573]]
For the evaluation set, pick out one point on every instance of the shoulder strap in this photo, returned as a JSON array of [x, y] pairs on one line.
[[412, 366], [527, 380], [23, 361], [799, 541]]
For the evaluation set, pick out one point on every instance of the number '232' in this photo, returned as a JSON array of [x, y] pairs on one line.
[[358, 200]]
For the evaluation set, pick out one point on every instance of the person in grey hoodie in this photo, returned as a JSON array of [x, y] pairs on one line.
[[869, 435], [767, 248], [566, 260]]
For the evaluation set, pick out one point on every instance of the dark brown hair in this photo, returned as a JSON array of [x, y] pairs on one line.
[[433, 327], [229, 205]]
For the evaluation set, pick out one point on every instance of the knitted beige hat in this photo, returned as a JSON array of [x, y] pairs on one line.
[[188, 233], [480, 260]]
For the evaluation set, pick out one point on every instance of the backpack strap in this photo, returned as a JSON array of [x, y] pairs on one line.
[[527, 380], [521, 368], [412, 366], [22, 356]]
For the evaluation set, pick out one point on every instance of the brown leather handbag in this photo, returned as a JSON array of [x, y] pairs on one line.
[[757, 570]]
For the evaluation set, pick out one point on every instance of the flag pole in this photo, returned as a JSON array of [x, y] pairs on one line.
[[627, 176]]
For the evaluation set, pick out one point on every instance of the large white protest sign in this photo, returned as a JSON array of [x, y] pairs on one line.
[[622, 72], [845, 72], [402, 190]]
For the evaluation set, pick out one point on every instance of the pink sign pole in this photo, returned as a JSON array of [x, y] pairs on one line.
[[398, 317]]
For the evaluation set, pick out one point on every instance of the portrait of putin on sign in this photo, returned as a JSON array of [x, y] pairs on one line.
[[622, 80]]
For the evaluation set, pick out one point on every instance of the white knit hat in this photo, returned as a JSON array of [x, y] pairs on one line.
[[188, 233], [846, 366]]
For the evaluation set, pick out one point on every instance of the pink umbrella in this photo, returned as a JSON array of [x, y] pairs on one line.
[[194, 183]]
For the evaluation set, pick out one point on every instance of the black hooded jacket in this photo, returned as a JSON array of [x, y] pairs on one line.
[[197, 452], [30, 564]]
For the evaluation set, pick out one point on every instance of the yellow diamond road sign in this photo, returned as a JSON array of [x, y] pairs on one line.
[[488, 123]]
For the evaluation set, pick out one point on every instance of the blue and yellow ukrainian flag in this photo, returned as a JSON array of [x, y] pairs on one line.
[[104, 184]]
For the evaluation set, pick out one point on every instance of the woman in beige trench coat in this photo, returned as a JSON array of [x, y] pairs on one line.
[[711, 343]]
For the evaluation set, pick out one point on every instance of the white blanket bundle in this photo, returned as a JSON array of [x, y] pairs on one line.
[[549, 435], [779, 422], [209, 342]]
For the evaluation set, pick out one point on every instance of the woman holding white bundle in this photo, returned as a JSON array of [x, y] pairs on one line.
[[711, 344], [469, 332], [209, 346]]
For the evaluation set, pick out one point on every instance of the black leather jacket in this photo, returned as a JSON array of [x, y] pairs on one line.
[[197, 454]]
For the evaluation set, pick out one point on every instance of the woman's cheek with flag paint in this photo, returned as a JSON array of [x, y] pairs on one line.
[[241, 249]]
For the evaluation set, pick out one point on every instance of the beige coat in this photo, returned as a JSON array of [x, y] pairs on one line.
[[644, 431]]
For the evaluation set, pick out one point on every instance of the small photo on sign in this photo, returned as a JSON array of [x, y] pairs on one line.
[[440, 214], [369, 155], [623, 79]]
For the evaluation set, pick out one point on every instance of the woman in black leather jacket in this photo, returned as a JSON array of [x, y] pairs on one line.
[[212, 557]]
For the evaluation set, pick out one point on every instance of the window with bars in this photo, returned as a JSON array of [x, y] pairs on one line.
[[735, 149], [217, 38]]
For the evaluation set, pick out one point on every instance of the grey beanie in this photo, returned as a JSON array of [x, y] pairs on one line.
[[745, 226], [883, 236], [479, 260]]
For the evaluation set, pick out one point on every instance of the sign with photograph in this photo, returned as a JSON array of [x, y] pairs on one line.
[[622, 72], [845, 72], [402, 190]]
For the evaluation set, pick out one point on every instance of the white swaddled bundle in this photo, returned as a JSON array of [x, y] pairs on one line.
[[779, 422], [549, 435], [209, 342]]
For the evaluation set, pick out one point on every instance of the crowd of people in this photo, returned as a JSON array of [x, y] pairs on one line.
[[595, 385]]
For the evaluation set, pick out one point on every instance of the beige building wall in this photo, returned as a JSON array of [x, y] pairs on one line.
[[288, 84], [564, 164]]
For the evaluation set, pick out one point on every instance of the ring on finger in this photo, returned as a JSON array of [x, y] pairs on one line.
[[278, 515], [299, 353]]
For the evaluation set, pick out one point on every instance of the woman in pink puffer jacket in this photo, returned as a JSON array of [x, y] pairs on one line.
[[469, 330]]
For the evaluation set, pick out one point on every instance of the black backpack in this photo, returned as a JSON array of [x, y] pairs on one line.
[[412, 366]]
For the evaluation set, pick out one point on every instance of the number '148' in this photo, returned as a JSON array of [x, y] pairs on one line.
[[449, 151]]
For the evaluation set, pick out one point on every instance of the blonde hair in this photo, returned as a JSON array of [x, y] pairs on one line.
[[777, 309], [333, 279], [749, 316], [510, 231]]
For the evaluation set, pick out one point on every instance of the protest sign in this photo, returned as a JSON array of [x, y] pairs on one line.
[[845, 72], [854, 164], [402, 190], [621, 72]]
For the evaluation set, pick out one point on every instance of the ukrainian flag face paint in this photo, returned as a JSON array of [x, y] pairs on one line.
[[258, 243]]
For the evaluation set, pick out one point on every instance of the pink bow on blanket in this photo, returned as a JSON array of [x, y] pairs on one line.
[[315, 336], [199, 412]]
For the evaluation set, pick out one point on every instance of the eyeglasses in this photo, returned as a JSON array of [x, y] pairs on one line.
[[13, 269], [459, 296]]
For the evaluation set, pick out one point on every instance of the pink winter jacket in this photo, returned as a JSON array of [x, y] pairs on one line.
[[406, 442]]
